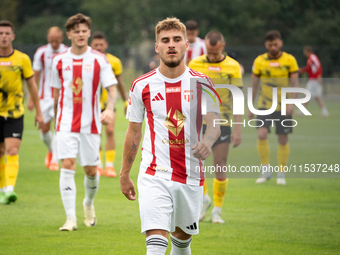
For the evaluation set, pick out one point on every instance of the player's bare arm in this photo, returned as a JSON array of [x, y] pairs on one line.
[[131, 145], [254, 84], [32, 88], [236, 137], [55, 106], [203, 148], [107, 115], [121, 89], [294, 80], [30, 104]]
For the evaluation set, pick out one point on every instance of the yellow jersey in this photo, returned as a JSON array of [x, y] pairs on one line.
[[226, 71], [117, 68], [13, 69], [273, 73]]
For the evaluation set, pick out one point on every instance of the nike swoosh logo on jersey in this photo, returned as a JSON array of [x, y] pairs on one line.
[[224, 137]]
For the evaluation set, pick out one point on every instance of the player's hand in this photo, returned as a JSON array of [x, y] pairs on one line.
[[235, 138], [30, 104], [39, 119], [250, 114], [127, 188], [106, 117], [290, 109], [202, 150]]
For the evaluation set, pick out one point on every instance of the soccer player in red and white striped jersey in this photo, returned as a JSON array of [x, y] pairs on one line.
[[170, 187], [197, 45], [42, 73], [314, 85], [76, 77]]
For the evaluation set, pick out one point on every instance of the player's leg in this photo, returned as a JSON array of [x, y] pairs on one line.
[[155, 206], [264, 153], [67, 149], [46, 137], [2, 168], [220, 154], [324, 111], [100, 164], [180, 242], [283, 149], [110, 153], [89, 159]]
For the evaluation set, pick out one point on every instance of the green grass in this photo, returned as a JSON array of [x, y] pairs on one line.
[[302, 217]]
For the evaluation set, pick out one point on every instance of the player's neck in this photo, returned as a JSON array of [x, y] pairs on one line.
[[172, 72], [6, 51], [78, 50]]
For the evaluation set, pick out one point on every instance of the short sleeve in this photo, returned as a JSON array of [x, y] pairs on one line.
[[55, 80], [37, 64], [213, 100], [117, 67], [136, 109], [237, 78], [293, 66], [27, 67], [256, 67], [107, 78]]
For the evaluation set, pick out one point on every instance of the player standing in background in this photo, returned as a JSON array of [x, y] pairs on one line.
[[99, 43], [76, 77], [274, 69], [196, 45], [42, 74], [170, 187], [14, 67], [314, 85], [223, 70]]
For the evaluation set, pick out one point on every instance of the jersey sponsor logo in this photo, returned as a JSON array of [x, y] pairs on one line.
[[160, 168], [77, 63], [6, 63], [274, 64], [188, 95], [77, 86], [177, 143], [214, 68], [158, 97], [67, 68], [173, 90], [88, 68], [174, 123]]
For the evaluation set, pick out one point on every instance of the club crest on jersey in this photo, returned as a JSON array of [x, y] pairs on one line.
[[77, 86], [87, 68], [174, 123], [188, 95]]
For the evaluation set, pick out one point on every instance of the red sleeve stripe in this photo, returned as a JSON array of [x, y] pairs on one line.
[[142, 78]]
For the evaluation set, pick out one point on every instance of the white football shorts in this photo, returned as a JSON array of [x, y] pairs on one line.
[[315, 88], [165, 204], [85, 146], [47, 109]]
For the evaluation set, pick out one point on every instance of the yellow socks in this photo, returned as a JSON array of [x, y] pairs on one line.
[[12, 169], [205, 187], [2, 173], [219, 192], [110, 156], [282, 154], [101, 156], [263, 150]]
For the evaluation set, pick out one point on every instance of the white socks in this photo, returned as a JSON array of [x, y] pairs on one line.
[[180, 247], [47, 139], [156, 245], [54, 149], [68, 192], [265, 169], [91, 187], [216, 210]]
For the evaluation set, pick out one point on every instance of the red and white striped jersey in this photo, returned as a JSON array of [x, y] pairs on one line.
[[42, 62], [196, 49], [78, 77], [173, 124], [313, 68]]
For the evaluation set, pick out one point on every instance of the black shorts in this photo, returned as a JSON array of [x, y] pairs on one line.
[[280, 129], [10, 127], [224, 137]]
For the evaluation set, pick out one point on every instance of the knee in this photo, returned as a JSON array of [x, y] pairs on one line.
[[12, 151], [68, 164]]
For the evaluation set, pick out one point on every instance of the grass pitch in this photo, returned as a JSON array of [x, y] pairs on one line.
[[302, 217]]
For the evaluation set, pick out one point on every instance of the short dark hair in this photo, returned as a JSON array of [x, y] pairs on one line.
[[6, 23], [191, 25], [272, 35], [214, 37], [308, 48], [76, 20], [99, 35]]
